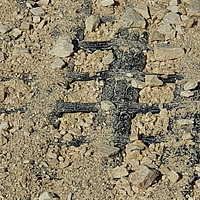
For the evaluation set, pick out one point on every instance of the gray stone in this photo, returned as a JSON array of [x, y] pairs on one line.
[[4, 126], [132, 19], [57, 64], [118, 172], [48, 196], [43, 2], [16, 32], [4, 28], [63, 47], [156, 36], [36, 19], [167, 30], [108, 59], [107, 2], [143, 177], [137, 84], [173, 177], [152, 81], [171, 18], [186, 94], [37, 11], [173, 3], [91, 23], [107, 150], [166, 52], [25, 26], [107, 106], [173, 8], [192, 84], [143, 10], [194, 8]]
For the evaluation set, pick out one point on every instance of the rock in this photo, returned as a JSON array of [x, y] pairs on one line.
[[107, 2], [69, 196], [107, 150], [171, 18], [36, 19], [37, 11], [143, 177], [18, 51], [132, 146], [2, 96], [2, 57], [4, 28], [152, 81], [156, 36], [43, 2], [63, 47], [25, 26], [16, 32], [4, 126], [41, 24], [48, 196], [192, 84], [67, 137], [137, 84], [173, 8], [186, 94], [164, 170], [118, 172], [173, 177], [132, 19], [167, 30], [134, 164], [197, 183], [173, 3], [166, 52], [108, 59], [57, 64], [133, 136], [193, 9], [143, 10], [181, 122], [107, 106], [3, 139], [91, 23], [187, 136], [123, 184]]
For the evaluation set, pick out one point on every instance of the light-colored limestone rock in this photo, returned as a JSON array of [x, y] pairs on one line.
[[92, 23], [118, 172], [107, 2], [173, 177], [137, 84], [107, 150], [107, 106], [156, 36], [143, 10], [37, 11], [57, 64], [152, 81], [186, 93], [108, 59], [192, 84], [171, 18], [167, 30]]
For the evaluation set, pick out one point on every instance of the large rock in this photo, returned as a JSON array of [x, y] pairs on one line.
[[132, 19], [166, 52], [143, 177], [63, 47]]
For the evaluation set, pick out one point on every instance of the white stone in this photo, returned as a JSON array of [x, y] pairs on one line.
[[107, 106], [91, 23], [63, 47], [173, 8], [132, 19], [143, 177], [2, 96], [173, 3], [43, 2], [107, 150], [143, 10], [156, 36], [108, 59], [173, 177], [118, 172], [171, 18], [192, 84], [137, 84], [37, 11], [28, 5], [4, 126], [166, 52], [187, 94], [152, 81], [167, 30], [47, 196], [4, 28], [181, 122], [16, 32], [36, 19], [41, 24], [107, 2], [57, 64]]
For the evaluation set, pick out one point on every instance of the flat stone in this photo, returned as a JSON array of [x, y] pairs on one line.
[[108, 59], [25, 26], [156, 36], [186, 93], [166, 52], [132, 19], [107, 150], [137, 84], [171, 18], [131, 147], [17, 51], [143, 10], [48, 196], [2, 96], [187, 136], [173, 8], [43, 2], [194, 8], [91, 23], [173, 3], [118, 172], [36, 19], [16, 32], [57, 64], [152, 81], [107, 106], [2, 57], [37, 11], [167, 30], [181, 122], [143, 177], [107, 2], [4, 28], [192, 84], [63, 47], [173, 177]]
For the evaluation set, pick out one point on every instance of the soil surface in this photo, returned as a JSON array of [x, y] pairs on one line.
[[99, 99]]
